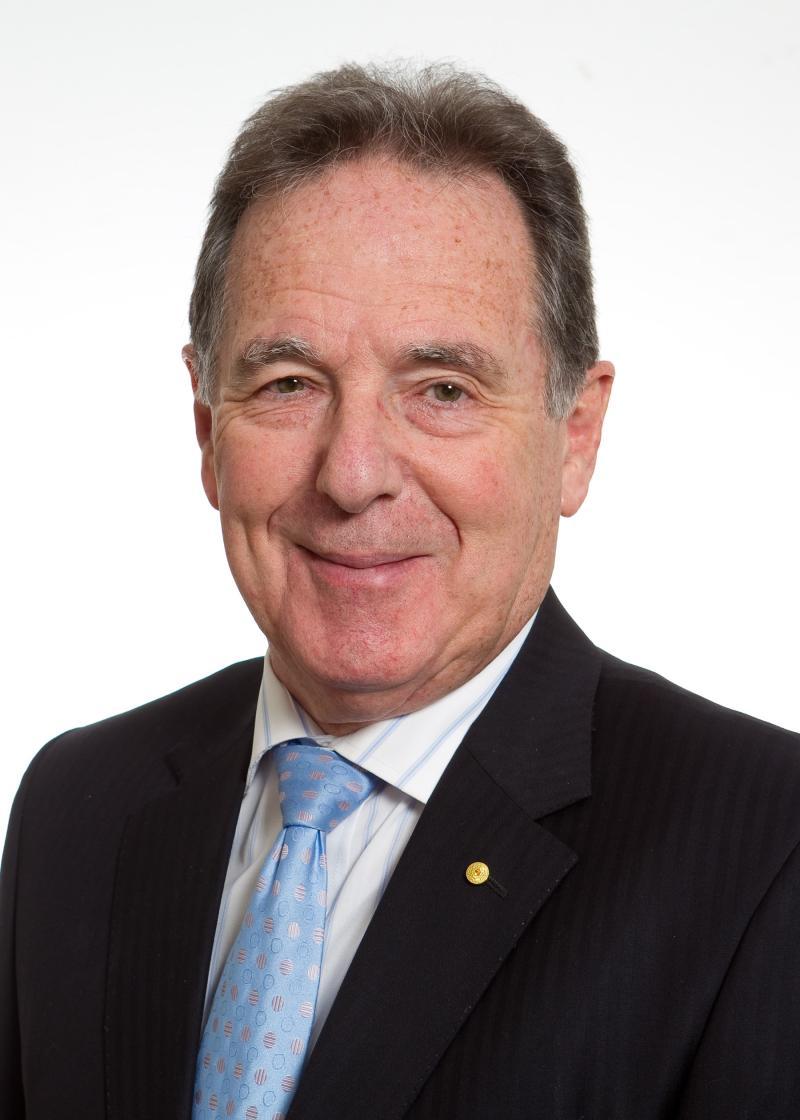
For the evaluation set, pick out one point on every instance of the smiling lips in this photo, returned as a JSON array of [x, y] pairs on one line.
[[362, 559], [360, 568]]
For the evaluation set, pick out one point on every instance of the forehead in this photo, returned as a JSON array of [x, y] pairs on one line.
[[374, 236]]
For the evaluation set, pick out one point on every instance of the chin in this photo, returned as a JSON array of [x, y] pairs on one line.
[[363, 672], [352, 672]]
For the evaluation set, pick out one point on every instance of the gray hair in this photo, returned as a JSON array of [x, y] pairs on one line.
[[435, 119]]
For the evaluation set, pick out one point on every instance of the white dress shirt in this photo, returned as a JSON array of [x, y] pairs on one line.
[[409, 753]]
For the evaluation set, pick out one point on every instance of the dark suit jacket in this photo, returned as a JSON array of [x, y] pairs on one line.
[[636, 954]]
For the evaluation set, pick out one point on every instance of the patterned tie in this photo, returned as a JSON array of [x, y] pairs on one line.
[[256, 1037]]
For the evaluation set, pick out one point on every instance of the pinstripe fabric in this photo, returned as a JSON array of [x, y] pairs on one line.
[[643, 963], [667, 957], [409, 753]]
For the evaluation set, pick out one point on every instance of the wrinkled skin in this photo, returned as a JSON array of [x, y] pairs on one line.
[[389, 511]]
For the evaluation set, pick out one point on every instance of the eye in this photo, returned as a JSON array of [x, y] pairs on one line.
[[286, 385], [446, 392]]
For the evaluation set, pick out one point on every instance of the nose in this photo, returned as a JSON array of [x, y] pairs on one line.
[[359, 463]]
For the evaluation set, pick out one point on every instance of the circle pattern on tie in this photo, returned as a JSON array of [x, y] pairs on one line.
[[256, 1039]]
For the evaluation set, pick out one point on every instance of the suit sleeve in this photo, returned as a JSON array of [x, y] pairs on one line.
[[747, 1066], [12, 1102]]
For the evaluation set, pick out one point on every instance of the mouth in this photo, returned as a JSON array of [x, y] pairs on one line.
[[362, 559], [361, 569]]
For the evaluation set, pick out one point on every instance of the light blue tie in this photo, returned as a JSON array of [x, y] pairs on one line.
[[256, 1038]]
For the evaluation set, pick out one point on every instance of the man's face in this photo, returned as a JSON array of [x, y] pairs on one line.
[[388, 481]]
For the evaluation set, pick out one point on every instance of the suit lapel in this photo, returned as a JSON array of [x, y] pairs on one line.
[[436, 940], [170, 874]]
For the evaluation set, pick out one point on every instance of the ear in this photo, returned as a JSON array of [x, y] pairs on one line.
[[204, 429], [583, 428]]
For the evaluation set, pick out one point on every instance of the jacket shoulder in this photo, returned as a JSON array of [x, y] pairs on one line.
[[671, 707], [132, 745], [713, 762]]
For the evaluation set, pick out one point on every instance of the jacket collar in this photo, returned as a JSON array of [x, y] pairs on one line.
[[536, 740]]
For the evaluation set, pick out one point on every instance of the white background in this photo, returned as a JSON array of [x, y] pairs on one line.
[[682, 119]]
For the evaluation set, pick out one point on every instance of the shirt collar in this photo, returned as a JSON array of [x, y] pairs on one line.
[[409, 752]]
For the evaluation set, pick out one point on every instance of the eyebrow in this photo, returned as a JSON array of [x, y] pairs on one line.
[[260, 352], [463, 356]]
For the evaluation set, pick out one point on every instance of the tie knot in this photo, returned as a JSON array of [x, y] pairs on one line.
[[318, 788]]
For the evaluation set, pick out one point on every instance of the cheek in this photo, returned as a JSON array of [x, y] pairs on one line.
[[505, 503], [255, 475]]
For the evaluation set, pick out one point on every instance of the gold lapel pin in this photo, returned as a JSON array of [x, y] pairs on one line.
[[478, 873]]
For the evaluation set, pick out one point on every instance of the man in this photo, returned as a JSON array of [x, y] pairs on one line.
[[558, 886]]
